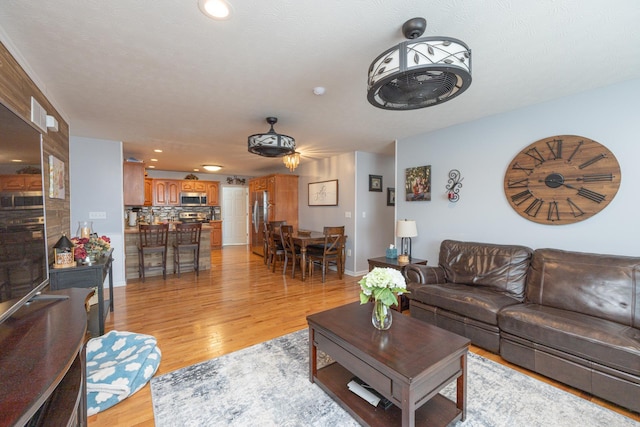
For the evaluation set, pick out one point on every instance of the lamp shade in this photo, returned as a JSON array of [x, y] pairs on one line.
[[406, 228]]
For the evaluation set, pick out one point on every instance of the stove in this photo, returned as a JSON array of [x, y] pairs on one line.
[[193, 217]]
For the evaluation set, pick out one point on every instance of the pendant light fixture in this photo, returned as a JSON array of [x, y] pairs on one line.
[[291, 161], [420, 72], [271, 144]]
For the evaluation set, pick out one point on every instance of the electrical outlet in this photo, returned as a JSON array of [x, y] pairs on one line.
[[348, 252], [347, 214], [97, 215]]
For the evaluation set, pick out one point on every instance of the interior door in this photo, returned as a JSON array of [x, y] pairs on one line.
[[235, 214]]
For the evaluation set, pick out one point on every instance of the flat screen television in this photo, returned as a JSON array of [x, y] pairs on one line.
[[24, 272]]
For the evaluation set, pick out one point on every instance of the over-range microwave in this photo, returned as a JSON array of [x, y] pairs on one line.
[[21, 200], [193, 199]]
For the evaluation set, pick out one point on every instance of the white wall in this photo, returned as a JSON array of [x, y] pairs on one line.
[[375, 227], [95, 180], [483, 149], [341, 168]]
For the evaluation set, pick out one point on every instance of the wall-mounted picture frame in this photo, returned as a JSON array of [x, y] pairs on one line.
[[56, 178], [391, 196], [323, 193], [417, 184], [375, 183]]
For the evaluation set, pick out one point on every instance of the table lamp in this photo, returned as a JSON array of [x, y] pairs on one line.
[[406, 229]]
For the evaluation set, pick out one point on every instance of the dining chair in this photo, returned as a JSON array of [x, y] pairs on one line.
[[187, 239], [330, 253], [152, 240], [275, 249], [275, 226], [290, 249]]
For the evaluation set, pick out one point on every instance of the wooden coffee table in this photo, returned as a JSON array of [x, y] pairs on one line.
[[408, 364]]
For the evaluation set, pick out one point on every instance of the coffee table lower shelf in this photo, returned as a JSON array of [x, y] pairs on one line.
[[333, 379]]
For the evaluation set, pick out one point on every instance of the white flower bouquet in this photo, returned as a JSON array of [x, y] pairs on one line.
[[382, 284]]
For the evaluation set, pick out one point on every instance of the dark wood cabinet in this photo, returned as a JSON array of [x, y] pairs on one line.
[[89, 276], [43, 362]]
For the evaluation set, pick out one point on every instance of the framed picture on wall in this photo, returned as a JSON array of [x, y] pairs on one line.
[[417, 184], [323, 193], [56, 178], [375, 183], [391, 196]]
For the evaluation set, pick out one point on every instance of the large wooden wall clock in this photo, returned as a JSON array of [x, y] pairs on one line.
[[562, 180]]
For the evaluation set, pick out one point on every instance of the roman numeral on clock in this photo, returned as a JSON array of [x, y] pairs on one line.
[[555, 146], [592, 161], [518, 183], [535, 155], [553, 214], [596, 177], [575, 209], [521, 197], [575, 151], [591, 195], [534, 207], [528, 171]]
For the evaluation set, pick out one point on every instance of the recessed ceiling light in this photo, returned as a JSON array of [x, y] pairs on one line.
[[151, 167], [215, 9], [16, 160], [319, 90], [196, 170], [154, 160], [212, 168], [157, 150]]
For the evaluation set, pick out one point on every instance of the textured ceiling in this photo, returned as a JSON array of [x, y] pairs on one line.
[[159, 74]]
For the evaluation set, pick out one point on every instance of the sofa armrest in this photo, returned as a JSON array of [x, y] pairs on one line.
[[423, 275]]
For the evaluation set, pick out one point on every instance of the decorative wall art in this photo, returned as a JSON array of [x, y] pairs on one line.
[[417, 183], [323, 193], [375, 183], [56, 178], [453, 185], [391, 196]]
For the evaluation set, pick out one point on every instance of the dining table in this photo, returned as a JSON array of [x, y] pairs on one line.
[[304, 238]]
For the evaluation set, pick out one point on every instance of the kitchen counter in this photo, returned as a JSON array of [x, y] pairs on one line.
[[206, 226], [131, 252]]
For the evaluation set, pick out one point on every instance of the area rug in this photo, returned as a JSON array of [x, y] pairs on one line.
[[268, 385]]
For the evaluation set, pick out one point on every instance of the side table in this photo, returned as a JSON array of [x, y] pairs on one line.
[[403, 303], [88, 276]]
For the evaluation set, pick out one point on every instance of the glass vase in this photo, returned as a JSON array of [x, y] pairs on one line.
[[85, 228], [381, 316]]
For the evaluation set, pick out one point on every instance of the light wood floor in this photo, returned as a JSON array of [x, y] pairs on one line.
[[236, 304]]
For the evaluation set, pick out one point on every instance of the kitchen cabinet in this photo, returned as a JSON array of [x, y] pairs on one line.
[[216, 234], [192, 185], [148, 192], [133, 180], [21, 182], [281, 204], [282, 194], [213, 193], [166, 192]]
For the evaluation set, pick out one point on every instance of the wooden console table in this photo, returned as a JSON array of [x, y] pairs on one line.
[[43, 362], [88, 276], [403, 301]]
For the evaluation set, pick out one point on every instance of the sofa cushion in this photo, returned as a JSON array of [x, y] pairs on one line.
[[597, 340], [473, 302], [502, 268], [604, 286]]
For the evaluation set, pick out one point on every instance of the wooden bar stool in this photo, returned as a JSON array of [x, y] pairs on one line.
[[187, 239], [152, 240]]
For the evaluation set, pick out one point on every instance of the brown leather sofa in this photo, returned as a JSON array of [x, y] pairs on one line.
[[570, 316]]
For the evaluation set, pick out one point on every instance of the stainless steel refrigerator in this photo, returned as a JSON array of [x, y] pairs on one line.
[[259, 214]]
